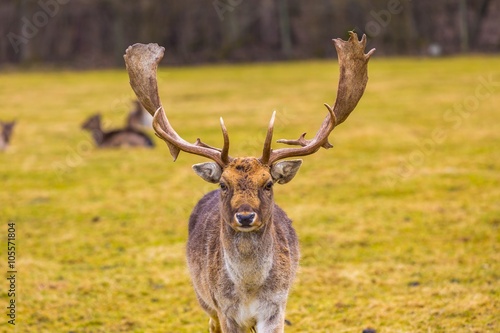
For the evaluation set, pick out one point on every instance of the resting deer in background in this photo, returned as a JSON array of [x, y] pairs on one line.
[[139, 118], [125, 137], [6, 130], [242, 250]]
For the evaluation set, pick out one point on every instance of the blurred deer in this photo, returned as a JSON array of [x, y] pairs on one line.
[[242, 250], [6, 129], [139, 118], [125, 137]]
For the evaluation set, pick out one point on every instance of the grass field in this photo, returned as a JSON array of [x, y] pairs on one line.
[[398, 224]]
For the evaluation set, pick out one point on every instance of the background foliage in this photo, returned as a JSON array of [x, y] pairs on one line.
[[94, 33]]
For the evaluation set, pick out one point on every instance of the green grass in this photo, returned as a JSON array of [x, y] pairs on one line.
[[398, 232]]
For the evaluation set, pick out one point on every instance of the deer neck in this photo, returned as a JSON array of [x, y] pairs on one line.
[[248, 256], [3, 136], [98, 135]]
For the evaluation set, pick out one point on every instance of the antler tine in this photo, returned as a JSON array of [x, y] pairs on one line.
[[266, 152], [302, 141], [142, 62], [225, 149], [198, 148], [353, 64]]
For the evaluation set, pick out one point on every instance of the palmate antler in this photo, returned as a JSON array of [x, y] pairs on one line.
[[142, 63], [352, 83]]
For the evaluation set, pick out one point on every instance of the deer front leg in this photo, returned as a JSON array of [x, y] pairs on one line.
[[214, 325], [273, 323], [231, 326]]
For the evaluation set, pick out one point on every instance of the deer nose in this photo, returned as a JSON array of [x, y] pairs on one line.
[[245, 219]]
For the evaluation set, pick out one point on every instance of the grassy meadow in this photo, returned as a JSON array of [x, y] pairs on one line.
[[398, 223]]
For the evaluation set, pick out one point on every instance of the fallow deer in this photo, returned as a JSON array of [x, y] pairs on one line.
[[242, 250], [138, 118], [125, 137], [6, 129]]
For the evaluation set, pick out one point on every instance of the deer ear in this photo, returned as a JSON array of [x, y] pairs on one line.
[[209, 171], [283, 172]]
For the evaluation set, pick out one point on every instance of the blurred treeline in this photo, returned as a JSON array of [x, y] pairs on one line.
[[95, 33]]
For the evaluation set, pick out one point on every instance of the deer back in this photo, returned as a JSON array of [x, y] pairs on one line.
[[125, 137]]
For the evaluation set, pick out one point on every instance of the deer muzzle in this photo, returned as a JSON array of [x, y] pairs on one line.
[[245, 219]]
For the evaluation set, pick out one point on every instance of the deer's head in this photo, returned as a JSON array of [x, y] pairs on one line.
[[92, 123], [246, 183], [246, 187]]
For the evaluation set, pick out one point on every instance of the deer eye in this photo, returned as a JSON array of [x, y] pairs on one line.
[[269, 186]]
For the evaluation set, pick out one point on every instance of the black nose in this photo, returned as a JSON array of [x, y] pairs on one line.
[[245, 219]]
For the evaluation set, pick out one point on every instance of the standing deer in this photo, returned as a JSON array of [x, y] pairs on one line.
[[124, 137], [242, 250], [6, 129]]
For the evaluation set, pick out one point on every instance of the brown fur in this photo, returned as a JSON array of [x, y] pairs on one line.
[[115, 138], [242, 279]]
